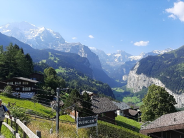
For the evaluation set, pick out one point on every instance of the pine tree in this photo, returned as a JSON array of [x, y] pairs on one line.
[[86, 104]]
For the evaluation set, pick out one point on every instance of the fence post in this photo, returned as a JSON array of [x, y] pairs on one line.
[[38, 133], [16, 125], [7, 120], [11, 123], [8, 104], [57, 110], [24, 134]]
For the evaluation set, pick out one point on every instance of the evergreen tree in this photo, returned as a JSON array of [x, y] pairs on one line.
[[74, 101], [13, 62], [156, 103], [86, 106]]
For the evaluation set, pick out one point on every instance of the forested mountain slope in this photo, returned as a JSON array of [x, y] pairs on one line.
[[61, 60], [168, 68]]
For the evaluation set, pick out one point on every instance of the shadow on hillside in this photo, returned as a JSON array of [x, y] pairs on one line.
[[133, 128]]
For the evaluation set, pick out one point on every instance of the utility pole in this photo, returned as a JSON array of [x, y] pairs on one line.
[[57, 110]]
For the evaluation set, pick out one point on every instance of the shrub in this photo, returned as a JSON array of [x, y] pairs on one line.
[[7, 91], [19, 113]]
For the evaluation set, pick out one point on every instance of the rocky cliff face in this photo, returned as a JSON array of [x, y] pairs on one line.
[[137, 82]]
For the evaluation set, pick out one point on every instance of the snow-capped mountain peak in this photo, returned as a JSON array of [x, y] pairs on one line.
[[37, 37], [162, 51]]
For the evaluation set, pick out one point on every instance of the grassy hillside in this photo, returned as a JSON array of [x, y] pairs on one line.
[[127, 96], [68, 127], [26, 104], [128, 123], [78, 80]]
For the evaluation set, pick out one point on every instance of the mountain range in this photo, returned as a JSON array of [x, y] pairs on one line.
[[77, 74], [42, 38], [117, 65], [103, 67]]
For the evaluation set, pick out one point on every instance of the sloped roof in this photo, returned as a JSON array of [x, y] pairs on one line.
[[166, 122], [133, 112], [101, 105], [121, 105], [88, 92], [22, 78]]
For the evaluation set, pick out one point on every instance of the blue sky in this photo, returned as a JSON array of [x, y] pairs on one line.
[[133, 26]]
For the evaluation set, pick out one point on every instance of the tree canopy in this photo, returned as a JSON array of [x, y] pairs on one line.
[[52, 80], [13, 62], [156, 103]]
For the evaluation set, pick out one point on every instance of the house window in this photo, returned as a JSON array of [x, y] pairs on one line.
[[102, 114], [18, 83], [25, 82], [10, 83], [26, 89], [17, 88]]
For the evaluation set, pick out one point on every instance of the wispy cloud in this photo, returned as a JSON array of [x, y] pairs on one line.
[[74, 37], [177, 11], [121, 40], [90, 36], [141, 43]]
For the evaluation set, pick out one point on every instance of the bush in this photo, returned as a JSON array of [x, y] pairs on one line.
[[20, 114], [7, 91]]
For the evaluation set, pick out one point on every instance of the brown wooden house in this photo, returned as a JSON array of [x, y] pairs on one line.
[[23, 87], [104, 108], [122, 108], [167, 126]]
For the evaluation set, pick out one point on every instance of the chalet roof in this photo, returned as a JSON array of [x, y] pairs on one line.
[[103, 104], [121, 105], [133, 112], [25, 79], [1, 82], [167, 120], [88, 92]]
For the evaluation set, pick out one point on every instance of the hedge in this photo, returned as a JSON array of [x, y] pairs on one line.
[[113, 131]]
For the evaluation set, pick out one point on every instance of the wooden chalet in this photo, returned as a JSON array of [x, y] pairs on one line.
[[23, 87], [167, 126], [102, 107], [105, 109], [122, 108]]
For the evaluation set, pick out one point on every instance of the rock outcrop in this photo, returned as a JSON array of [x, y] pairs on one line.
[[139, 81]]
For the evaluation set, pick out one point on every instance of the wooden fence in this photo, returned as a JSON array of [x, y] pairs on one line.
[[18, 123]]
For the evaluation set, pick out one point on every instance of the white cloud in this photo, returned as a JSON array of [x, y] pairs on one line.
[[74, 37], [141, 43], [90, 36], [172, 16], [177, 11]]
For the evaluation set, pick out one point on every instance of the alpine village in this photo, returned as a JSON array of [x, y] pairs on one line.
[[57, 89]]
